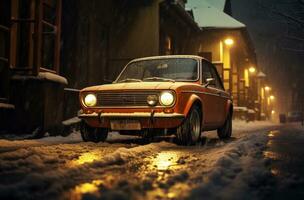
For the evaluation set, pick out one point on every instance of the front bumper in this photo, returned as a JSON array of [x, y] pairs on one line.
[[131, 115], [146, 119]]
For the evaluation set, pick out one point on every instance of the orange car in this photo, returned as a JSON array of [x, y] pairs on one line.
[[180, 95]]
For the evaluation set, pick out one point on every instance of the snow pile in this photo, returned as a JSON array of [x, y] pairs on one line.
[[71, 121], [51, 170], [122, 155], [123, 168], [241, 126], [240, 173], [53, 77], [42, 76]]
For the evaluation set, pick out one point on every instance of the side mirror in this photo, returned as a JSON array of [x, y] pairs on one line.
[[210, 81]]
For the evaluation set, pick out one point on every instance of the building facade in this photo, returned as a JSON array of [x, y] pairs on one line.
[[226, 42]]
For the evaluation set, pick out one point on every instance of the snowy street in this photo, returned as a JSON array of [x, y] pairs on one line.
[[127, 168]]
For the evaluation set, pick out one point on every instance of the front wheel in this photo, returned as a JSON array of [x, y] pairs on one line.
[[226, 130], [91, 134], [190, 131]]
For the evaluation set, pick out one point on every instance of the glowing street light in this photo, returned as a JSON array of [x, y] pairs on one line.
[[252, 70], [229, 42], [272, 97], [267, 88]]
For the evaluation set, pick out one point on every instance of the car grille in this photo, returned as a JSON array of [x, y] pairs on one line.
[[118, 99]]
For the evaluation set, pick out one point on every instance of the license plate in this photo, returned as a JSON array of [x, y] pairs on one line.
[[125, 125]]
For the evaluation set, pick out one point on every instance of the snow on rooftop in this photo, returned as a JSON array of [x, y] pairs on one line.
[[208, 16]]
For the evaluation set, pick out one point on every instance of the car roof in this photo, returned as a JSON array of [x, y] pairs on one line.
[[168, 56]]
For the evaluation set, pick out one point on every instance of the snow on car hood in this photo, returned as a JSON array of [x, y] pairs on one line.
[[138, 86]]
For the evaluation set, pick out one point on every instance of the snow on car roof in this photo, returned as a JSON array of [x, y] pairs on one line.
[[209, 16], [168, 56]]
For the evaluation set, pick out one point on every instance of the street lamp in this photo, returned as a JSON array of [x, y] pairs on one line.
[[272, 97], [267, 88], [229, 42], [252, 70]]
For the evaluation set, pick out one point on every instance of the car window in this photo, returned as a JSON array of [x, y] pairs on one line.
[[218, 83], [206, 73]]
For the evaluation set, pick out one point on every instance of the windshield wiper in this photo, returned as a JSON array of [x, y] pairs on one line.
[[130, 80], [158, 78]]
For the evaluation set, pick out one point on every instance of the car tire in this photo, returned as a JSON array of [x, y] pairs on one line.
[[226, 130], [91, 134], [189, 132]]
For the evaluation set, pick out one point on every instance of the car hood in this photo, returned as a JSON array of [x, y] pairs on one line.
[[137, 86]]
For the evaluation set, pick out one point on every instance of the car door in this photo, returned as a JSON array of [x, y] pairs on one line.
[[221, 98], [210, 96]]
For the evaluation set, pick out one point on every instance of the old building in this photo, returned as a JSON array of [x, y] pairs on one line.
[[226, 42]]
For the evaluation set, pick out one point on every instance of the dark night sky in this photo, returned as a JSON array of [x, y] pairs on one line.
[[280, 56]]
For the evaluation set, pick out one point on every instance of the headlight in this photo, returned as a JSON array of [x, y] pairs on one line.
[[152, 100], [90, 100], [167, 99]]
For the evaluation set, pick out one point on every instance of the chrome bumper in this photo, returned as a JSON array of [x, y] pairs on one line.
[[131, 115]]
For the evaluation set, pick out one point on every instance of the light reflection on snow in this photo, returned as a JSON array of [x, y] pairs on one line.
[[85, 188], [84, 158], [165, 160], [275, 172], [271, 155], [272, 133]]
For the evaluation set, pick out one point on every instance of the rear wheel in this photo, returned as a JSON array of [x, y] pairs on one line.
[[226, 130], [190, 131], [91, 134]]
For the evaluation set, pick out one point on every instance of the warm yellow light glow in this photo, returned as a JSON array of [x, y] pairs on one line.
[[86, 188], [90, 100], [272, 97], [165, 160], [246, 77], [267, 88], [272, 112], [85, 158], [229, 42], [166, 99], [270, 135], [252, 70]]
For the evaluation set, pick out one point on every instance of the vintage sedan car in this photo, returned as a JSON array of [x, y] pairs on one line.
[[181, 95]]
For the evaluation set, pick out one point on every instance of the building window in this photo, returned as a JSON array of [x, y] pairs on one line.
[[35, 35], [50, 35]]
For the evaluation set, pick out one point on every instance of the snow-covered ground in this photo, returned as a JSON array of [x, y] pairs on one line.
[[126, 168]]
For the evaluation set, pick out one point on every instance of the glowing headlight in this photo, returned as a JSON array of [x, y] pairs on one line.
[[90, 100], [152, 100], [167, 99]]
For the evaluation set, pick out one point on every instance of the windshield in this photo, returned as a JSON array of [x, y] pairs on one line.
[[170, 69]]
